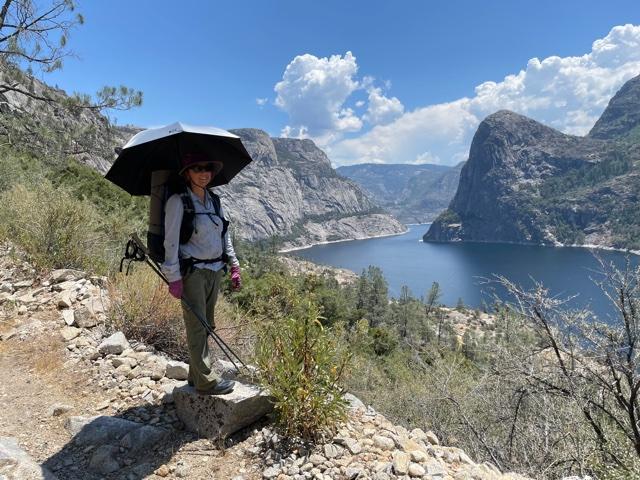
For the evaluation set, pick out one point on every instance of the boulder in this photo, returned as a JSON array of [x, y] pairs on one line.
[[177, 370], [69, 333], [16, 464], [84, 318], [65, 275], [98, 430], [216, 416], [142, 439], [103, 460], [114, 344], [401, 462], [64, 299], [68, 317]]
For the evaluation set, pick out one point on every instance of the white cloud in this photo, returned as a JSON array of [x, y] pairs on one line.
[[261, 101], [382, 109], [313, 92], [567, 93]]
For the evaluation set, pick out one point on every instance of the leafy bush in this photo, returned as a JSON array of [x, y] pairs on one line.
[[301, 366]]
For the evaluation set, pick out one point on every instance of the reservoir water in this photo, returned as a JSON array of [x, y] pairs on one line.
[[460, 268]]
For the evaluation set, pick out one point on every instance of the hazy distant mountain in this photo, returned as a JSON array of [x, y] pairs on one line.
[[412, 193], [528, 183]]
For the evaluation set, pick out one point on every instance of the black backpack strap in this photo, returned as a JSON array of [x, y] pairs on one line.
[[216, 206], [188, 216]]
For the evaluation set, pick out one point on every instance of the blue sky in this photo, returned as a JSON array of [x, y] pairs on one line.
[[380, 81]]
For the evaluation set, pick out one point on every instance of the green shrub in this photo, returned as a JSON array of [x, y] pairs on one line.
[[301, 366], [55, 230]]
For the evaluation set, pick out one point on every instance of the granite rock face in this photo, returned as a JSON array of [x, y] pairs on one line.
[[527, 183], [622, 115], [291, 185], [94, 136]]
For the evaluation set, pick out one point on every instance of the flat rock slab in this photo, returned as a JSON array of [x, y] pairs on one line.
[[215, 416], [16, 464], [99, 430]]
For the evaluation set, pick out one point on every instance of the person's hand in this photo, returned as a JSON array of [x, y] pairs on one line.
[[236, 282], [175, 289]]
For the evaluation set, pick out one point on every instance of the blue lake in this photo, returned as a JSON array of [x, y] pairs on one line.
[[460, 267]]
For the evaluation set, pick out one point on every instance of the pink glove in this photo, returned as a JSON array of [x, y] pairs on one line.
[[175, 289], [236, 283]]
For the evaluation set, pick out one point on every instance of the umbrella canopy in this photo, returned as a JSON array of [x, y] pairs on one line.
[[161, 149]]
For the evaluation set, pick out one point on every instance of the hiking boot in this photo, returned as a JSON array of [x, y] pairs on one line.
[[221, 388]]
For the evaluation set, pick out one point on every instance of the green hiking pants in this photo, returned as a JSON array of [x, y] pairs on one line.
[[200, 290]]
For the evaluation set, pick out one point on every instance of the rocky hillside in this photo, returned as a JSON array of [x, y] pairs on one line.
[[528, 183], [84, 403], [412, 193], [291, 190], [54, 130]]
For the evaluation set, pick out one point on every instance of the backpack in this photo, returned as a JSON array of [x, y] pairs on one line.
[[165, 183]]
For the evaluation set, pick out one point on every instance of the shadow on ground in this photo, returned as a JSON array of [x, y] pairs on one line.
[[115, 447]]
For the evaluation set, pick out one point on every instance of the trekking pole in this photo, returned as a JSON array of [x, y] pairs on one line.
[[138, 252]]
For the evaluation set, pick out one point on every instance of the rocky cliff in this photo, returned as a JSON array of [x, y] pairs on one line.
[[412, 193], [528, 183], [55, 129], [290, 190]]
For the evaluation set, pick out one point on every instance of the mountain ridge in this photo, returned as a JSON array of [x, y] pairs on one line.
[[281, 202], [412, 193], [525, 182]]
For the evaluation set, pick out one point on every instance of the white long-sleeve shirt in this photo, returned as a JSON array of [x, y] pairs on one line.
[[206, 241]]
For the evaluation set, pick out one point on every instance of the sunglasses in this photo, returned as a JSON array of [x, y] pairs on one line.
[[208, 167]]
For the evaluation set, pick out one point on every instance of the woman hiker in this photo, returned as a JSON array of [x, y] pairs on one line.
[[194, 269]]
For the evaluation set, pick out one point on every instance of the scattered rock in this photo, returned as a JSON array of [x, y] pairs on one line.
[[416, 470], [65, 275], [177, 370], [115, 344], [383, 443], [142, 439], [181, 471], [103, 460], [64, 299], [59, 409], [68, 317], [162, 471], [270, 472], [431, 438], [69, 333], [400, 462], [332, 451], [84, 318]]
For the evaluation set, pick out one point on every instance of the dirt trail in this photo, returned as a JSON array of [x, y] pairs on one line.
[[36, 374]]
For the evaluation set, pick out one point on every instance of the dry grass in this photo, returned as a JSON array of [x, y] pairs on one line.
[[237, 330], [143, 310], [48, 354]]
